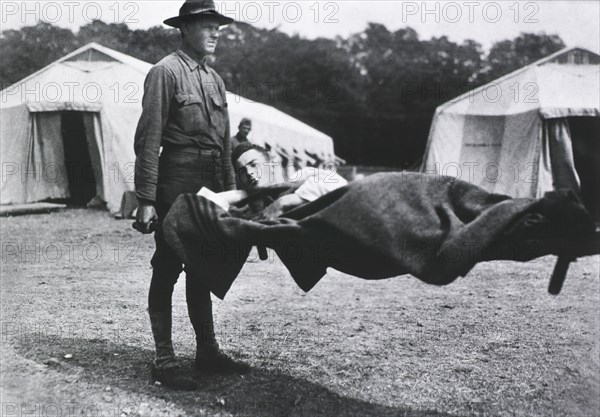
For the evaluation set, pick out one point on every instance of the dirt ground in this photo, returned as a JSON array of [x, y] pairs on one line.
[[76, 339]]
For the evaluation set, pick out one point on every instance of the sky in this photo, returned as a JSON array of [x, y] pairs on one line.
[[576, 22]]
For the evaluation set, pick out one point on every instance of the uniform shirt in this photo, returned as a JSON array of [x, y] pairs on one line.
[[235, 141], [184, 104], [316, 182]]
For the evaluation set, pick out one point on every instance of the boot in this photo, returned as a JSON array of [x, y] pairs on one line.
[[173, 378], [209, 358], [165, 369]]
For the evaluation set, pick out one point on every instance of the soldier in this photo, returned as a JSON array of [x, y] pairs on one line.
[[244, 129], [185, 113]]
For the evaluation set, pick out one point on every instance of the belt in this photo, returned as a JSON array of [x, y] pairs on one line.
[[215, 153]]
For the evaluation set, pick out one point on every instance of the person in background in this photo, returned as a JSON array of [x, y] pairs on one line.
[[244, 129]]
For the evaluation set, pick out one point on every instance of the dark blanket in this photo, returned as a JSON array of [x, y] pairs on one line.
[[435, 228]]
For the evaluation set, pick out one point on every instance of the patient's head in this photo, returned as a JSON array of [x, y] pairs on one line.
[[250, 163]]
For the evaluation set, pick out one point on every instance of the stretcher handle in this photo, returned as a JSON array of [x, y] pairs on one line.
[[559, 274], [262, 253]]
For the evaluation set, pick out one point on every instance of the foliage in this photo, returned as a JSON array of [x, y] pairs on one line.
[[508, 55], [374, 92], [31, 48]]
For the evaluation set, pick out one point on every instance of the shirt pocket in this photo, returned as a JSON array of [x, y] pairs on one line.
[[219, 114], [190, 115]]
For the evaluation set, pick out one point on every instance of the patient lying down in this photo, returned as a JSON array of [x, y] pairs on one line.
[[256, 173]]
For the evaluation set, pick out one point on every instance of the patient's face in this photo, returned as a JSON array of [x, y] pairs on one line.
[[252, 170]]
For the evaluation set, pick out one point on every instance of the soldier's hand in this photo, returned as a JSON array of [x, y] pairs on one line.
[[146, 215]]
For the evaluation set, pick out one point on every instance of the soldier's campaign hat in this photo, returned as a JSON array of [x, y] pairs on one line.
[[198, 8]]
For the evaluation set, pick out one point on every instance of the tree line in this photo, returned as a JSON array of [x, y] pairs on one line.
[[374, 92]]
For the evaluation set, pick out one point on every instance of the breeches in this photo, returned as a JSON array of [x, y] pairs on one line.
[[180, 172]]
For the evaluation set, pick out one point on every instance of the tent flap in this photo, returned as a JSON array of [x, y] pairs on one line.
[[556, 133]]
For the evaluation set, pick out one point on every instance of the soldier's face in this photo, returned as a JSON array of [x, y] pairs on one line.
[[201, 36], [252, 170], [245, 129]]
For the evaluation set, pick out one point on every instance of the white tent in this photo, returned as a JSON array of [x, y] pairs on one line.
[[512, 136], [94, 94]]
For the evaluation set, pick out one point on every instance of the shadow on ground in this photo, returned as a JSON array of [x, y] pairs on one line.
[[262, 392]]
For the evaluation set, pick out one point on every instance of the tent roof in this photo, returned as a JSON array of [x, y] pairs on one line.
[[86, 54], [62, 83], [566, 83], [264, 112], [89, 63], [138, 64]]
